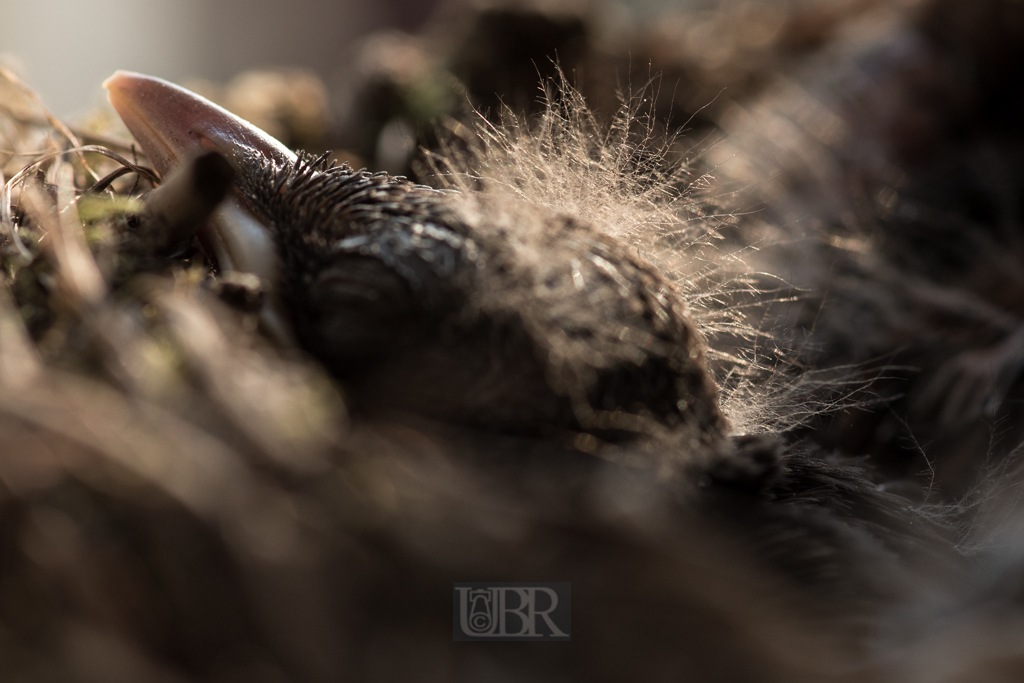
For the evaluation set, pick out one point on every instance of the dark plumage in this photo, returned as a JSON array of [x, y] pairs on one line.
[[420, 308], [545, 327]]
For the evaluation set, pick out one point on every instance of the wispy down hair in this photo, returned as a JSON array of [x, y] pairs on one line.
[[654, 191]]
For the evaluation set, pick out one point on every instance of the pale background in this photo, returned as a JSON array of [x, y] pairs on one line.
[[66, 48]]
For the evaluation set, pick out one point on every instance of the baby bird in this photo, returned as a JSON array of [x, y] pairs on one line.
[[506, 318]]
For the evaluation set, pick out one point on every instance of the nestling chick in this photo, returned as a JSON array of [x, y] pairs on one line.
[[536, 324]]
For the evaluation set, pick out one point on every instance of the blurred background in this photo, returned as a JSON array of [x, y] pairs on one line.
[[65, 48], [377, 82]]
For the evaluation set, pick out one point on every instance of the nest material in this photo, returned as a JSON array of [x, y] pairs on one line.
[[182, 501]]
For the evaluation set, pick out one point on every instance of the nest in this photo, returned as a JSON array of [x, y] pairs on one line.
[[182, 500]]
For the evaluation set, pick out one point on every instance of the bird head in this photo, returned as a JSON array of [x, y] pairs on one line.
[[518, 319]]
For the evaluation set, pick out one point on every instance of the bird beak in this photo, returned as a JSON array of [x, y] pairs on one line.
[[173, 124]]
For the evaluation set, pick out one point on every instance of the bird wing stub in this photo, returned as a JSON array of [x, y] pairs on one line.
[[173, 124]]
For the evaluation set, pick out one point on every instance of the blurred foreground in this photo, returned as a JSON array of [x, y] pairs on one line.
[[182, 500]]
